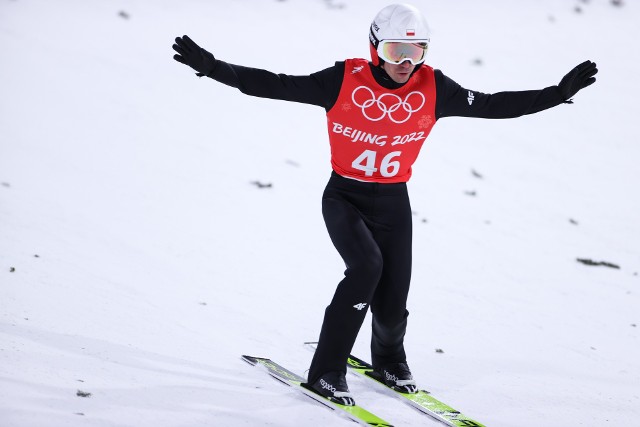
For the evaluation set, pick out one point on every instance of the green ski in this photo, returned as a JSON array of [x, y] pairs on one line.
[[354, 413], [422, 400]]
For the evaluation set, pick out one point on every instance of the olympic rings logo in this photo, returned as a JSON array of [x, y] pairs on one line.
[[388, 104]]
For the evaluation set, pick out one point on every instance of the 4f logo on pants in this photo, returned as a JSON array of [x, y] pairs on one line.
[[360, 306]]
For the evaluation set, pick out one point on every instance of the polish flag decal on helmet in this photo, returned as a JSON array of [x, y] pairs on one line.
[[411, 32]]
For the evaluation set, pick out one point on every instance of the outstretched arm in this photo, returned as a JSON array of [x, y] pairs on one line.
[[454, 100], [319, 88]]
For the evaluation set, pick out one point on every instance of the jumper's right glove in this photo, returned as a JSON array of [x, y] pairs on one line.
[[189, 53], [578, 78]]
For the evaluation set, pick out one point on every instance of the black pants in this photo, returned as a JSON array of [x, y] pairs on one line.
[[370, 225]]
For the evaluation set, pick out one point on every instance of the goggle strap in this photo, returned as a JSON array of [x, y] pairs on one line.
[[373, 39]]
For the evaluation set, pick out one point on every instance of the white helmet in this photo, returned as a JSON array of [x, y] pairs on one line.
[[398, 22]]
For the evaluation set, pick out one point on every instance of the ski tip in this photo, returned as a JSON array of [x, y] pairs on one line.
[[311, 345]]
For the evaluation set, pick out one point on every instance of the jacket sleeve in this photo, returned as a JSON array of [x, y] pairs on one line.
[[454, 100], [320, 88]]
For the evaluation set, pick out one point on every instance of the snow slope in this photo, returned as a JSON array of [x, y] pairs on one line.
[[138, 259]]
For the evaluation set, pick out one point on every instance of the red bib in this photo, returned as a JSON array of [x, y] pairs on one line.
[[376, 133]]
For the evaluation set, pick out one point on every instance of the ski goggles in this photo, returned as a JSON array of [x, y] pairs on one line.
[[398, 51]]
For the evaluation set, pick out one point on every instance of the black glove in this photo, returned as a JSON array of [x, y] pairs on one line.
[[189, 53], [578, 78]]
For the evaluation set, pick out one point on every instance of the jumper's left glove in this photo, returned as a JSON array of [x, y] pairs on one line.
[[189, 53], [578, 78]]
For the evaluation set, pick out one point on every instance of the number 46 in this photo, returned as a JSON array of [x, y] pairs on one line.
[[366, 162]]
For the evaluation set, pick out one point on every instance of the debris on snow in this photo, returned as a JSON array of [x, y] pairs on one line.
[[261, 184], [587, 261]]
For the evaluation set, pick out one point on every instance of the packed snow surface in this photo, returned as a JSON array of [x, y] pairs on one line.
[[155, 226]]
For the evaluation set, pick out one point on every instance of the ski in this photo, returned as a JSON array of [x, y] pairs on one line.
[[422, 400], [354, 413]]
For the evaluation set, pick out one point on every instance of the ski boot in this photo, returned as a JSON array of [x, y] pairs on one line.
[[397, 376], [333, 386]]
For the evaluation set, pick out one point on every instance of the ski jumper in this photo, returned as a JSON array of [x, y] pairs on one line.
[[375, 135]]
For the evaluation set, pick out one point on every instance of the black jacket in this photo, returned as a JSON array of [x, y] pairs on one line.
[[322, 89]]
